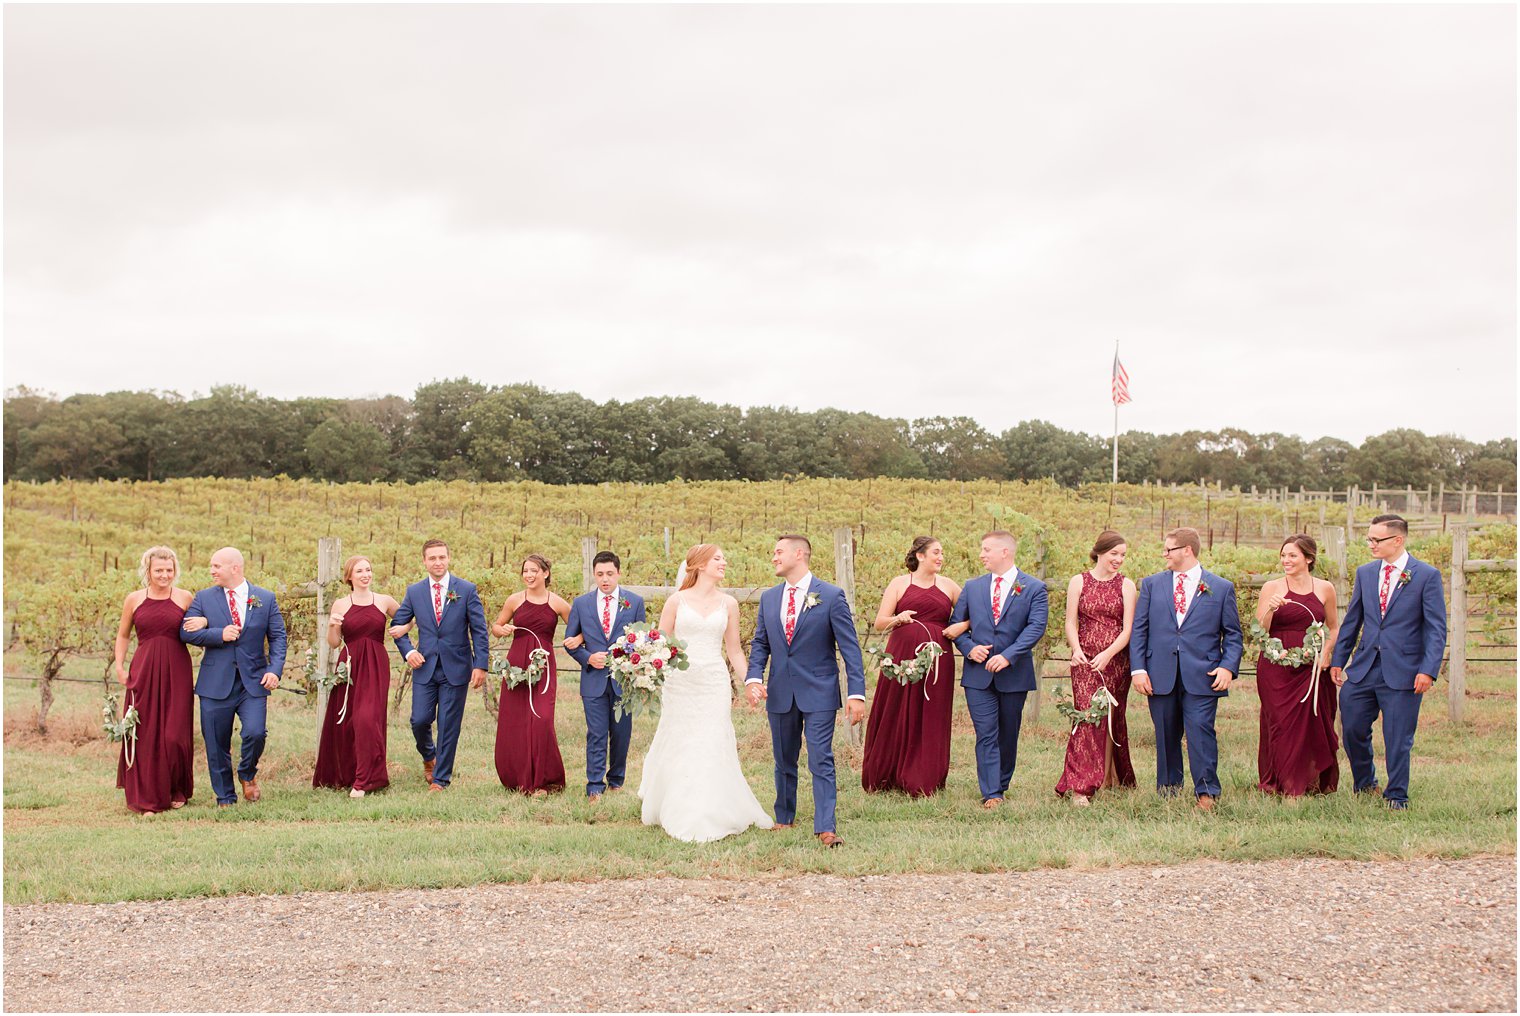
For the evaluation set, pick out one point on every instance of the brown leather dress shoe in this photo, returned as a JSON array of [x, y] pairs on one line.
[[593, 798], [830, 840], [427, 771], [1205, 802], [435, 788], [992, 802], [780, 825], [224, 804], [250, 790]]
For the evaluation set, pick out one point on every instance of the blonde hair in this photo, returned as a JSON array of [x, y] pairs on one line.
[[350, 565], [152, 553], [696, 559]]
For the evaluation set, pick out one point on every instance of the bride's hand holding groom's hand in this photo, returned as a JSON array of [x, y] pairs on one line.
[[754, 692]]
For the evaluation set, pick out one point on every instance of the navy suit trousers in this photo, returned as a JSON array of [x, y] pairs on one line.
[[606, 742], [445, 702], [1177, 713], [787, 732], [216, 731], [1361, 702], [996, 716]]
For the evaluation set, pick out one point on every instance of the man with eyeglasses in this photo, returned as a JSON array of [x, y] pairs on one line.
[[1398, 611], [1184, 652]]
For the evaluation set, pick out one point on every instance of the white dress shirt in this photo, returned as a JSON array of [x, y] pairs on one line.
[[240, 595], [802, 589], [602, 600], [1398, 569], [1010, 579], [1190, 580], [443, 594]]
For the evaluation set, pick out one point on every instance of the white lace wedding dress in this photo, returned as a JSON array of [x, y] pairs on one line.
[[692, 784]]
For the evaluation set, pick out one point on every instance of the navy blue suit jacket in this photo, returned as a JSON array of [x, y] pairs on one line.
[[1019, 629], [259, 649], [1409, 640], [456, 646], [585, 620], [1208, 638], [806, 672]]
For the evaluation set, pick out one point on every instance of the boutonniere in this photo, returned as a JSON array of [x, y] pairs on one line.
[[810, 602], [452, 597], [623, 603], [1404, 577], [254, 601], [1017, 588], [1203, 588]]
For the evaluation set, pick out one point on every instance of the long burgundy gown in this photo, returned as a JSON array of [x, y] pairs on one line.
[[352, 750], [908, 735], [1100, 620], [527, 751], [160, 684], [1297, 751]]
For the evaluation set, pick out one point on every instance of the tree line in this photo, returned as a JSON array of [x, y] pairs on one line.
[[462, 429]]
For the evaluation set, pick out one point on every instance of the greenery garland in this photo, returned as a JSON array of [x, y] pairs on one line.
[[339, 674], [912, 670], [511, 677], [1273, 651]]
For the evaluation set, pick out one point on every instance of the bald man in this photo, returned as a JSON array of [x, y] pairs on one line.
[[240, 628]]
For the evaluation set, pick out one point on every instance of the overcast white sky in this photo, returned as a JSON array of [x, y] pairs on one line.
[[1297, 218]]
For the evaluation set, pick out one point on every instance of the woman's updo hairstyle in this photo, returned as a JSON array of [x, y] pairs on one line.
[[1306, 546], [1107, 541], [921, 544], [543, 566]]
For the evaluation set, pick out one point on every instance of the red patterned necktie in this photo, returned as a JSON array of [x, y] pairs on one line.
[[1386, 588], [437, 602], [1179, 598], [232, 608], [997, 598], [607, 616], [791, 613]]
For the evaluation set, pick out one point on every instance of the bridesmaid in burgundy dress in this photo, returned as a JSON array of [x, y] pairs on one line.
[[160, 685], [908, 734], [351, 749], [527, 750], [1100, 612], [1298, 742]]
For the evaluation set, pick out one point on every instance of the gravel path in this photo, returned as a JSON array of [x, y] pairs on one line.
[[1306, 934]]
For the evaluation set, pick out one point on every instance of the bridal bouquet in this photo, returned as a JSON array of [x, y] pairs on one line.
[[639, 659], [1099, 712]]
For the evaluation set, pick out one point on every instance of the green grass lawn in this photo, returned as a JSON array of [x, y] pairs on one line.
[[70, 837]]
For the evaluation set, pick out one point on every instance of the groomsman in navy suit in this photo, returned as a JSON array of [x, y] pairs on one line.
[[1183, 652], [803, 628], [240, 627], [1398, 611], [450, 657], [599, 617], [1008, 610]]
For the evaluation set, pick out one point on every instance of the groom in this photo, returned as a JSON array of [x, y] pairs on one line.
[[599, 616], [1183, 653], [450, 658], [238, 622], [803, 623]]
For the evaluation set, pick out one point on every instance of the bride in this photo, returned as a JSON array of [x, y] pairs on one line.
[[692, 784]]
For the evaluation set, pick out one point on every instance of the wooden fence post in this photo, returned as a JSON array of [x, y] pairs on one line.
[[588, 551], [1335, 550], [844, 577], [1456, 640], [329, 567]]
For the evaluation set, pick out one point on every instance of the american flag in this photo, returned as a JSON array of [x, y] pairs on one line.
[[1120, 382]]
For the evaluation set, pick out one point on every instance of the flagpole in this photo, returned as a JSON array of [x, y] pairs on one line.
[[1108, 524]]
